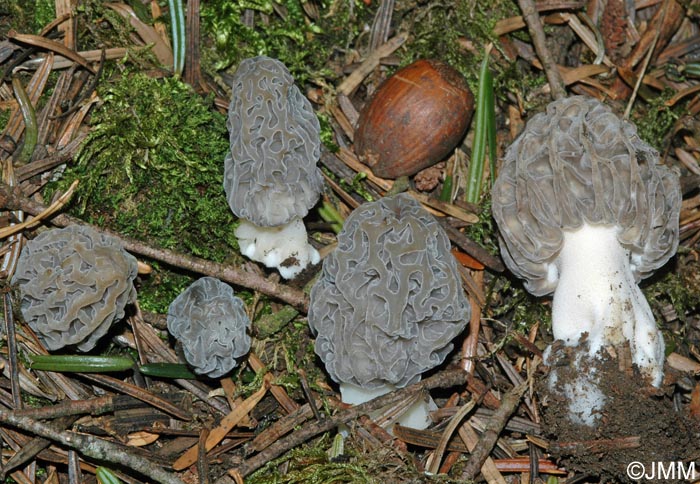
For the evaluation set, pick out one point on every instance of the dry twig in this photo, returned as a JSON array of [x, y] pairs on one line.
[[534, 26], [13, 199], [91, 446], [495, 425]]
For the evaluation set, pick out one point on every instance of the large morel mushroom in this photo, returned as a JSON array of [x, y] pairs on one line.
[[586, 211], [389, 301], [211, 324], [74, 283], [270, 175]]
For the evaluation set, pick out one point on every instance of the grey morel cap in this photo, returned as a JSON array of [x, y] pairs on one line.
[[211, 324], [270, 174], [74, 283], [579, 163], [389, 301]]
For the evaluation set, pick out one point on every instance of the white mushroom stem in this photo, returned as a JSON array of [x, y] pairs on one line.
[[584, 399], [598, 295], [417, 416], [285, 247]]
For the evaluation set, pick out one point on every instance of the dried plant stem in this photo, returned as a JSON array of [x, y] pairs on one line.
[[50, 210], [12, 198], [150, 398], [351, 82], [645, 65], [445, 379], [472, 248], [12, 351], [93, 406], [494, 426], [284, 425], [31, 448], [91, 446], [381, 25], [471, 342], [534, 26], [447, 434]]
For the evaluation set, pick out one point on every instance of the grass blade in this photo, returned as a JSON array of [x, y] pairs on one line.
[[484, 131], [80, 364], [29, 115], [177, 20], [167, 370], [491, 126], [446, 192], [105, 476]]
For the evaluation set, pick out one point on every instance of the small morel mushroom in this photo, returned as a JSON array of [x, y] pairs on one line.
[[388, 303], [74, 283], [211, 324], [270, 175], [586, 211]]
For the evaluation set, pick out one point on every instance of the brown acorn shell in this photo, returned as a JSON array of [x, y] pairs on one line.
[[416, 118]]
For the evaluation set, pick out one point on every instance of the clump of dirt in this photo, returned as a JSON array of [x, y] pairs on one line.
[[637, 422]]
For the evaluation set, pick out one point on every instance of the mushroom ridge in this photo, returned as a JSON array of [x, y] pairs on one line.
[[389, 300], [211, 324], [74, 283], [578, 163], [270, 174]]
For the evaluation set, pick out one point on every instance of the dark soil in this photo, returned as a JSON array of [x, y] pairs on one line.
[[637, 424]]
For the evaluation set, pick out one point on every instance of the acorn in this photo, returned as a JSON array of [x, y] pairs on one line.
[[416, 119]]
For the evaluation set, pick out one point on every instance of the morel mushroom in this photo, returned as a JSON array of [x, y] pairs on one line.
[[389, 301], [74, 283], [211, 323], [270, 175], [586, 211]]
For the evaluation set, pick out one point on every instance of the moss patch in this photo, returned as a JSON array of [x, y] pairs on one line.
[[311, 464], [152, 168], [655, 120], [300, 34], [25, 16]]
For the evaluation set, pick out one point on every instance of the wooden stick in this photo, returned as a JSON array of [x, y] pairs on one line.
[[534, 26], [488, 439], [12, 198], [91, 446]]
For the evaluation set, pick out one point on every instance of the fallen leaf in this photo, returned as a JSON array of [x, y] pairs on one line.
[[139, 439]]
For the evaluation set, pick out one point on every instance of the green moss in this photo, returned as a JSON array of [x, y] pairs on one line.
[[521, 81], [441, 29], [304, 42], [484, 232], [158, 290], [507, 299], [655, 121], [44, 12], [678, 288], [294, 348], [327, 134], [356, 186], [311, 464], [18, 15], [32, 401], [283, 31], [4, 118], [99, 26], [152, 168]]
